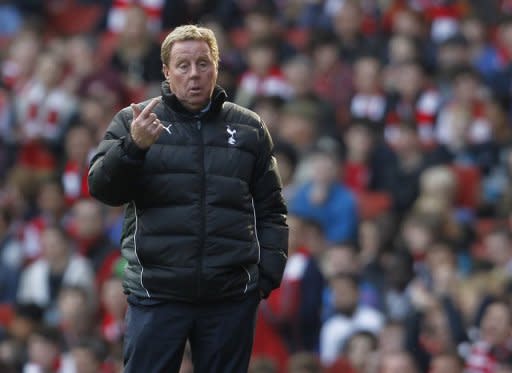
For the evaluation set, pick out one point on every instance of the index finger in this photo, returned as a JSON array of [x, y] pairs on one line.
[[149, 107]]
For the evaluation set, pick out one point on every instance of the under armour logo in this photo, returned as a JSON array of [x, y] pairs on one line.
[[231, 138]]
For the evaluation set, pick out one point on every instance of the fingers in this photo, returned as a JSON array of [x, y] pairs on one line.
[[149, 107], [155, 127], [146, 127], [135, 110]]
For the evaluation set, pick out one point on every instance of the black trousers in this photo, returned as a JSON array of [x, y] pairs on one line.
[[220, 334]]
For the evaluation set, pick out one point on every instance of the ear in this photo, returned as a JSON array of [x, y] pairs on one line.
[[165, 70]]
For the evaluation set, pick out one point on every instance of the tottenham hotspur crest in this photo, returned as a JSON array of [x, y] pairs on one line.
[[231, 132]]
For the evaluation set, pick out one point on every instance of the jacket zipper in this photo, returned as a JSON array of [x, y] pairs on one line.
[[135, 249], [203, 208]]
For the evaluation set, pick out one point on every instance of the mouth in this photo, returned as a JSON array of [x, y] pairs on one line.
[[195, 90]]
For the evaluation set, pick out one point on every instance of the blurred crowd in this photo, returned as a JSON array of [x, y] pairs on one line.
[[392, 128]]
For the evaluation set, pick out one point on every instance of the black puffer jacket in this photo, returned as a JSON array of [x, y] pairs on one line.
[[205, 218]]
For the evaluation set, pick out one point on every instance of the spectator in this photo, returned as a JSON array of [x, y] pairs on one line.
[[43, 109], [401, 48], [298, 125], [58, 266], [391, 338], [452, 54], [78, 145], [137, 54], [270, 110], [80, 60], [11, 258], [113, 301], [396, 298], [360, 346], [263, 76], [446, 363], [462, 122], [369, 100], [261, 365], [412, 100], [360, 144], [26, 319], [491, 348], [88, 355], [288, 317], [304, 362], [435, 327], [349, 317], [118, 13], [404, 165], [20, 62], [398, 362], [75, 314], [324, 199], [296, 71], [101, 94], [260, 22], [347, 24], [87, 227], [331, 72], [287, 160], [50, 210], [45, 353], [498, 248], [483, 55]]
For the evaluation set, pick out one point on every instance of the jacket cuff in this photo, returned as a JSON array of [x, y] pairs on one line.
[[265, 286], [132, 150]]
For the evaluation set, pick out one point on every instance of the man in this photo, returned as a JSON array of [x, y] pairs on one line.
[[400, 361], [205, 233]]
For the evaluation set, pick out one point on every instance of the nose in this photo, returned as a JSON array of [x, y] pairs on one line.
[[194, 70]]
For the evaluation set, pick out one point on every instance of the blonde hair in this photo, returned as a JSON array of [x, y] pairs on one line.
[[190, 32]]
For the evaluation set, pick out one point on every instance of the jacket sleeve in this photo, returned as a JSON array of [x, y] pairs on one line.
[[114, 169], [270, 210]]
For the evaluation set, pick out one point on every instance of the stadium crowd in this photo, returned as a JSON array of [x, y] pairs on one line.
[[392, 128]]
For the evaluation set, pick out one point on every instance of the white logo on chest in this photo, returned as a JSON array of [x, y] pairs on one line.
[[231, 138], [168, 128]]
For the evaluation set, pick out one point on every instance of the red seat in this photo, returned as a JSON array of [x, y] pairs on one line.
[[73, 18], [298, 37], [372, 204], [6, 314], [468, 185], [239, 38]]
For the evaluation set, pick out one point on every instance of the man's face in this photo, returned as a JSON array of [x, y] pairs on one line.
[[445, 364], [495, 327], [191, 73]]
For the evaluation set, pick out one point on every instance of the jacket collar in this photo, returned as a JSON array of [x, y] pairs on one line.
[[219, 96]]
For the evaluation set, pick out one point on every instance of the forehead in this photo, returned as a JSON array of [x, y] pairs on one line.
[[190, 49]]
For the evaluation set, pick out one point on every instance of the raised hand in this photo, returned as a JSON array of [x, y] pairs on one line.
[[146, 127]]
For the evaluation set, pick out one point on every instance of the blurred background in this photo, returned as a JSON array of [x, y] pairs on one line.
[[392, 128]]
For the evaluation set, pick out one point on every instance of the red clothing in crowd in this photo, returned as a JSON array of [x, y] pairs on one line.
[[74, 181], [280, 312], [480, 360], [356, 176], [423, 111], [152, 8]]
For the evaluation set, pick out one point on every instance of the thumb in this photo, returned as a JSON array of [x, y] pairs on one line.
[[135, 110]]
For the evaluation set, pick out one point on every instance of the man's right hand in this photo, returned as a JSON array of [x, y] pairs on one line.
[[146, 127]]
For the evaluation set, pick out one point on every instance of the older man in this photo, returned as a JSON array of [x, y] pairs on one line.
[[205, 232]]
